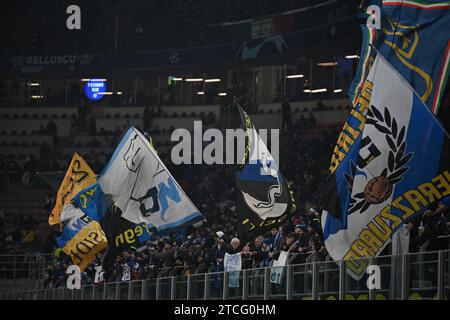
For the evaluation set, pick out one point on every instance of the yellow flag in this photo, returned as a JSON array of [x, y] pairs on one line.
[[85, 245], [78, 176]]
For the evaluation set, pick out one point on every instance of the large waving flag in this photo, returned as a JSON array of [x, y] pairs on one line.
[[264, 199], [366, 56], [415, 40], [395, 166], [78, 176], [142, 187], [82, 239]]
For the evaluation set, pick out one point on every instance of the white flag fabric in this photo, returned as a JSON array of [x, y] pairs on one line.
[[233, 264], [276, 272], [143, 188]]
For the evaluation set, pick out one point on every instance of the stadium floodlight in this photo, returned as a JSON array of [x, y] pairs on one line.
[[193, 79], [354, 56], [200, 93], [337, 90], [295, 76], [327, 64], [222, 94], [319, 90], [212, 80]]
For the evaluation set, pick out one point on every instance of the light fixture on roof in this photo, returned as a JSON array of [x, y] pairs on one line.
[[222, 94], [34, 84], [119, 93], [295, 76], [306, 91], [337, 90], [327, 64], [200, 93], [319, 90], [37, 97], [193, 79], [107, 93], [212, 80], [353, 56]]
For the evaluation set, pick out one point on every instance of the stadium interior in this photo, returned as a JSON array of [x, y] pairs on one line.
[[164, 65]]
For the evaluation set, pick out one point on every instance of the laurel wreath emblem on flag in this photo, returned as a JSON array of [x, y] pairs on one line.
[[378, 189]]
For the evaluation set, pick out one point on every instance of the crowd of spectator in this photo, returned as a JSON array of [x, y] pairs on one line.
[[212, 189]]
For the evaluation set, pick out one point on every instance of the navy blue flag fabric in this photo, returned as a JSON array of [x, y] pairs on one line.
[[414, 37], [415, 40]]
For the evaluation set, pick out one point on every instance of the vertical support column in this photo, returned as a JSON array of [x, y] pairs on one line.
[[143, 288], [266, 283], [158, 289], [244, 284], [130, 290], [93, 292], [117, 295], [441, 275], [289, 289], [225, 286], [315, 281], [173, 288], [404, 277], [82, 293], [342, 274], [188, 287], [206, 287]]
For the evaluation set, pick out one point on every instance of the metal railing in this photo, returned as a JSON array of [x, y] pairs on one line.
[[400, 278], [21, 266]]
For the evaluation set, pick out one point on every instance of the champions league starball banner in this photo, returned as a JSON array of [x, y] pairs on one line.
[[142, 187], [390, 166]]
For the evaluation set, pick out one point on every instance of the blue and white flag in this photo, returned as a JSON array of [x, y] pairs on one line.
[[264, 198], [142, 187], [93, 202], [395, 167]]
